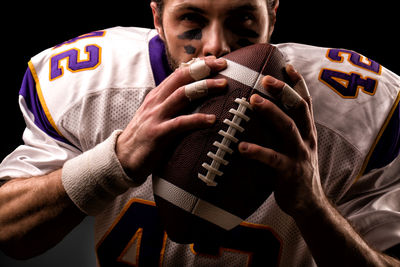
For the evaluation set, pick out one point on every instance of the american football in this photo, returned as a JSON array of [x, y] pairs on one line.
[[206, 187]]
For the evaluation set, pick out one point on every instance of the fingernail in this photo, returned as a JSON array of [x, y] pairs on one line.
[[220, 61], [243, 147], [269, 80], [210, 118], [221, 82], [291, 69], [257, 99]]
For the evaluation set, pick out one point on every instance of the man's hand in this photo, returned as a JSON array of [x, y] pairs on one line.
[[298, 184], [329, 236], [155, 124]]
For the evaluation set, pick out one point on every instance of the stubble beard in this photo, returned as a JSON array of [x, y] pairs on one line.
[[173, 64]]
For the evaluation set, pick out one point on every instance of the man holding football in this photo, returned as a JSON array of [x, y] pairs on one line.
[[97, 127]]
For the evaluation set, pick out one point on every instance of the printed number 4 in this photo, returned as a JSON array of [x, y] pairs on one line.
[[347, 85]]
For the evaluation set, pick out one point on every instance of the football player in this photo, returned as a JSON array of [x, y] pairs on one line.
[[100, 109]]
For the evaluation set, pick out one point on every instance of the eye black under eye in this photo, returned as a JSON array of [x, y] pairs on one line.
[[244, 32]]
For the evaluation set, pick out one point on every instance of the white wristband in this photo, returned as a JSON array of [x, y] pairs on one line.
[[92, 180]]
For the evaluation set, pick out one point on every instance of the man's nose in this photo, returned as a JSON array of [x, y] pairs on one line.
[[215, 41]]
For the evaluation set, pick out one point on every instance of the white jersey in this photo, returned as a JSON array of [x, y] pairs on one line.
[[76, 94]]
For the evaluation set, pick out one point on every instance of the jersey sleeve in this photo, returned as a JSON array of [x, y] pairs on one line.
[[44, 149], [388, 144], [372, 204]]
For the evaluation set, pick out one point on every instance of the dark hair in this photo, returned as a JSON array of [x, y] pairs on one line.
[[160, 6]]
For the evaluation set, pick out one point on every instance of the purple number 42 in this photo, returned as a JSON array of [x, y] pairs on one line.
[[347, 85]]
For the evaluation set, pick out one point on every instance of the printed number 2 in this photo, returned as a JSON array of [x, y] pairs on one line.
[[74, 64], [137, 239], [72, 56], [347, 85]]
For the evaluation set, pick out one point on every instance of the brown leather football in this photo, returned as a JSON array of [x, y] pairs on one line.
[[206, 187]]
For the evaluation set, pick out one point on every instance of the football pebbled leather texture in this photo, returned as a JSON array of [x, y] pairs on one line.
[[206, 187]]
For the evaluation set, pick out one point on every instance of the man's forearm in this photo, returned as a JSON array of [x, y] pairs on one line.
[[334, 242], [35, 214]]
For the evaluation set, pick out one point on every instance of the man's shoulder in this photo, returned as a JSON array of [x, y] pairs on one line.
[[111, 58], [354, 96], [110, 40], [92, 66], [113, 34], [343, 76], [311, 55]]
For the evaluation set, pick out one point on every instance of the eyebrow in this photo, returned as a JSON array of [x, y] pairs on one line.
[[245, 7], [189, 7]]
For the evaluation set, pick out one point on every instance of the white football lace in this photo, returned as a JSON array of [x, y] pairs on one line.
[[228, 138]]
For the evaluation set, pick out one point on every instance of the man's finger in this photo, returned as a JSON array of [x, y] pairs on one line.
[[189, 73], [289, 97], [196, 90], [198, 69], [300, 85], [181, 97], [189, 122], [282, 122], [264, 155], [282, 92]]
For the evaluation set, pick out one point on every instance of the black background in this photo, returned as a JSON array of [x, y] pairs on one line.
[[367, 27]]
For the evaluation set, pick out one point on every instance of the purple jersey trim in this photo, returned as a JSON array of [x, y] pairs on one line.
[[28, 91], [388, 147], [158, 60]]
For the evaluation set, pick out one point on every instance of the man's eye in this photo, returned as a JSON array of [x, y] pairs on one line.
[[241, 20], [245, 20], [244, 25], [193, 18]]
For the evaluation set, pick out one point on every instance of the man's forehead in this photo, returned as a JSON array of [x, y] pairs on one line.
[[206, 5]]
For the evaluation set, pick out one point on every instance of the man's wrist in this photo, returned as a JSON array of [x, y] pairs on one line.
[[311, 204], [96, 177]]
